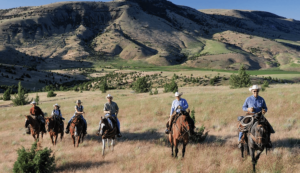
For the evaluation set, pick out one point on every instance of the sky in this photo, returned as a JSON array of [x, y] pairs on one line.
[[284, 8]]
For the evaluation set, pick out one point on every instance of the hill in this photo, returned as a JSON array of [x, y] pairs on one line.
[[77, 34]]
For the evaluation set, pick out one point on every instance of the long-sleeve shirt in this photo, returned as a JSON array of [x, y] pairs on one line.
[[182, 102], [56, 112], [256, 102], [36, 111]]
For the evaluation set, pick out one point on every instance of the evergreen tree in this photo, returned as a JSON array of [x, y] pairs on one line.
[[104, 86], [171, 87], [21, 98], [141, 85], [6, 95], [37, 99], [51, 94], [240, 80]]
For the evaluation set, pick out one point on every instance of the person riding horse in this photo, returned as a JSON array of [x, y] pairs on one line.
[[78, 111], [179, 105], [38, 113], [56, 113], [111, 109], [252, 105]]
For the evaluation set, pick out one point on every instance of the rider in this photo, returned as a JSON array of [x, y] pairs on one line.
[[179, 104], [57, 113], [255, 104], [78, 110], [111, 108], [38, 113]]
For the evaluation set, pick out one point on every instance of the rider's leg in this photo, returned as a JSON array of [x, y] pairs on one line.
[[85, 125], [167, 131], [68, 126], [118, 124], [240, 138], [42, 120]]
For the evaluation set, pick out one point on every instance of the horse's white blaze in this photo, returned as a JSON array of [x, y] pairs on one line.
[[103, 146], [112, 145]]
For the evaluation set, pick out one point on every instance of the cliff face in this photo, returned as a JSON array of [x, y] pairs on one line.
[[62, 35]]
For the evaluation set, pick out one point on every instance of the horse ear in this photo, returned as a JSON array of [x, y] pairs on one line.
[[188, 110]]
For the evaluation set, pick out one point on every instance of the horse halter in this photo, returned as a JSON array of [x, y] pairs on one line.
[[259, 139]]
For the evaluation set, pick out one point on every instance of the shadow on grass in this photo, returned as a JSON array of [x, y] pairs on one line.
[[287, 143], [78, 165]]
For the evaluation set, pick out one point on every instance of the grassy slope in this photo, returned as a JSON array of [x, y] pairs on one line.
[[144, 148]]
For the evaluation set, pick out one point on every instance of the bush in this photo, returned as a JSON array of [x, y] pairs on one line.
[[104, 86], [240, 80], [141, 85], [34, 160], [200, 136], [171, 87], [150, 93], [51, 94], [37, 99], [155, 91], [21, 98], [193, 115], [6, 95]]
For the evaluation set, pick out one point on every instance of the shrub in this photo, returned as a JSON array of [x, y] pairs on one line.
[[240, 80], [21, 98], [6, 95], [155, 91], [150, 93], [104, 86], [34, 160], [37, 99], [193, 115], [200, 136], [171, 87], [141, 85], [51, 94]]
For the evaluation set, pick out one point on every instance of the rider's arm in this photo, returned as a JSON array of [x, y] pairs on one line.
[[172, 108], [264, 106], [78, 111], [117, 109], [185, 105], [105, 109], [41, 112], [245, 105]]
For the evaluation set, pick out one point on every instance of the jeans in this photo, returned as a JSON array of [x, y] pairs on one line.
[[80, 116], [240, 133], [114, 115]]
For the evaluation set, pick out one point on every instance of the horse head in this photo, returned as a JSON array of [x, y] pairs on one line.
[[77, 120], [261, 135]]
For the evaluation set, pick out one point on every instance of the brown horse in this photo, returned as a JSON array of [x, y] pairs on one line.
[[108, 130], [76, 129], [179, 133], [35, 127], [55, 128]]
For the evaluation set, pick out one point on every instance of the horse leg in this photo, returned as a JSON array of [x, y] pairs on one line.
[[78, 140], [38, 137], [55, 139], [183, 150], [112, 145], [103, 146], [252, 153], [176, 147], [171, 142], [258, 155], [242, 151], [51, 136], [73, 137]]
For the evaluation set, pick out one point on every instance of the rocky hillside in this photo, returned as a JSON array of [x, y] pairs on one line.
[[73, 34]]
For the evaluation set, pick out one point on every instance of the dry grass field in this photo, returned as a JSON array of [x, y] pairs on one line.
[[144, 148]]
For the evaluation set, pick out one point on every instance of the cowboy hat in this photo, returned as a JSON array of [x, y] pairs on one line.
[[33, 102], [254, 87], [56, 105], [78, 101], [178, 94], [108, 95]]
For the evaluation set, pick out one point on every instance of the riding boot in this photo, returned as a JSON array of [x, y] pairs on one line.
[[44, 128], [67, 128], [48, 129], [167, 131]]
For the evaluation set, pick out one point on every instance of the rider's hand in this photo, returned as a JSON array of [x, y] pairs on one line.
[[263, 111], [250, 109], [179, 107]]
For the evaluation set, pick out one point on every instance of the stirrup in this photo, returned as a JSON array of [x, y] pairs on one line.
[[167, 131]]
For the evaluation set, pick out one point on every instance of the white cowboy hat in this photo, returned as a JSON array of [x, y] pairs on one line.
[[78, 101], [33, 102], [178, 94], [56, 105], [108, 95], [254, 87]]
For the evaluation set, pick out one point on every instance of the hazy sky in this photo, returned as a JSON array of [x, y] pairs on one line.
[[285, 8]]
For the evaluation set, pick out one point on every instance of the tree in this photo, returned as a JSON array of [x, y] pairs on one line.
[[141, 85], [37, 99], [104, 86], [34, 160], [240, 80], [171, 87], [21, 98], [6, 95], [51, 94]]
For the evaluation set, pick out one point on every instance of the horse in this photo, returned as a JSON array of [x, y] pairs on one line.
[[179, 133], [55, 128], [256, 139], [108, 130], [35, 127], [76, 129]]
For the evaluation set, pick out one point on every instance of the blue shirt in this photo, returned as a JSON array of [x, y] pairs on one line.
[[182, 102], [257, 103]]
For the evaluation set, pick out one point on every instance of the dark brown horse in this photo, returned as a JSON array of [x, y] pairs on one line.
[[55, 128], [180, 133], [76, 129], [256, 139], [108, 130], [35, 127]]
